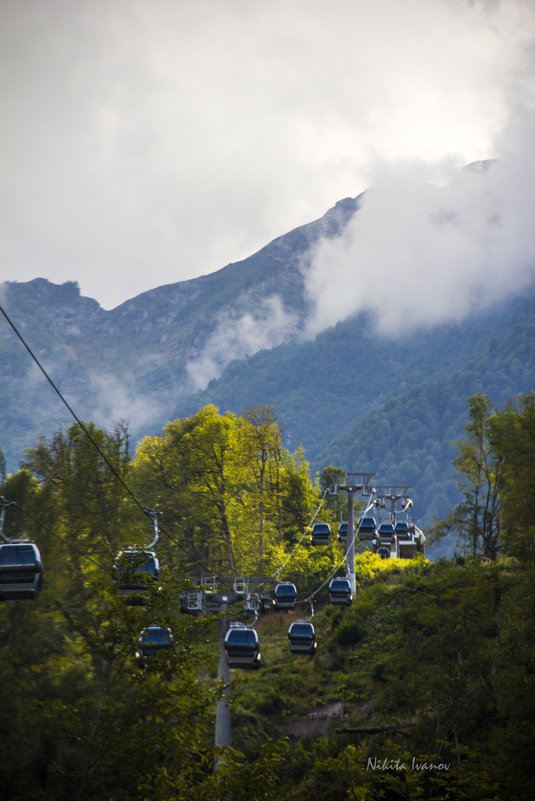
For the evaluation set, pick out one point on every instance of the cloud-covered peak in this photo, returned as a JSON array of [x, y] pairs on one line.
[[416, 254]]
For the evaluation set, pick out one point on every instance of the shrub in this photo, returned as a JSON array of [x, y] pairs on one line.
[[350, 633]]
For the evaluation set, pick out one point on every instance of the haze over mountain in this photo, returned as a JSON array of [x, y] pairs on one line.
[[344, 325], [139, 359]]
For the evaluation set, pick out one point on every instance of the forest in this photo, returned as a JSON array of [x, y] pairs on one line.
[[422, 688]]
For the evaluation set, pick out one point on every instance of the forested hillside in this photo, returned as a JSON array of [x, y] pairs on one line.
[[421, 688], [322, 387], [397, 404], [410, 439], [350, 395], [136, 361]]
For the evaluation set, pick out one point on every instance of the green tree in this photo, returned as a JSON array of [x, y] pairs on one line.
[[477, 520], [512, 436], [94, 724], [227, 489], [330, 476], [201, 473], [263, 444]]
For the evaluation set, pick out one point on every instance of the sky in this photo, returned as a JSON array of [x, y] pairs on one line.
[[145, 143]]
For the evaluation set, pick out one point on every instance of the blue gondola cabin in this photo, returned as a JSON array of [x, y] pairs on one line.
[[366, 528], [21, 571], [302, 638], [242, 648], [153, 640], [321, 534], [285, 595], [403, 531], [134, 571], [340, 591], [386, 534]]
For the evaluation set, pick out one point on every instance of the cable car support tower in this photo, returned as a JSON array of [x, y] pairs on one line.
[[352, 483], [217, 595]]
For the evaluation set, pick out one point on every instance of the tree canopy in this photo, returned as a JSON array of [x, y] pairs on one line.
[[433, 662]]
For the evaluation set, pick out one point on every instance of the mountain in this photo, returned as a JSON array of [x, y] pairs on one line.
[[323, 386], [236, 338], [131, 362], [394, 407]]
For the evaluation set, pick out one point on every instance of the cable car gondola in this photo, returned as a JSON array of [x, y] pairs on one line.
[[366, 527], [136, 567], [321, 534], [21, 571], [152, 641], [285, 595], [383, 552], [386, 533], [302, 638], [340, 591], [134, 570], [342, 532], [242, 648], [402, 530]]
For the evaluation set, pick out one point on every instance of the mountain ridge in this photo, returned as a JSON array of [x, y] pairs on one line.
[[131, 361], [240, 333]]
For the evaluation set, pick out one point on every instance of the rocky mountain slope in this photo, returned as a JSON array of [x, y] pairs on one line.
[[236, 338]]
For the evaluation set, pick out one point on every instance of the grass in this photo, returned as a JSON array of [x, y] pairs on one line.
[[350, 664]]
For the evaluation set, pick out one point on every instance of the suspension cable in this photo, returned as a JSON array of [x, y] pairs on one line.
[[339, 565], [55, 534], [275, 574], [97, 447]]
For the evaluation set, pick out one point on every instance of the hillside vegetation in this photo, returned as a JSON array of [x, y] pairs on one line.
[[131, 362], [349, 396], [410, 438], [422, 688], [349, 370], [391, 406]]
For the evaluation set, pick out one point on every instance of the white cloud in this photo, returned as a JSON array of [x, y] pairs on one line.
[[238, 336], [150, 142], [416, 255], [116, 401]]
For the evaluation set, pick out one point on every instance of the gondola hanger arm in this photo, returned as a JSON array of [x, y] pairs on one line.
[[153, 513], [5, 505]]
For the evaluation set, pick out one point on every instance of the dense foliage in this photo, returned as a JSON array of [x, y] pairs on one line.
[[423, 688], [81, 720], [350, 396], [409, 439]]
